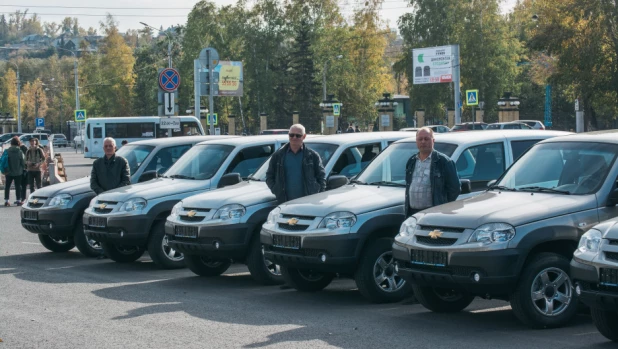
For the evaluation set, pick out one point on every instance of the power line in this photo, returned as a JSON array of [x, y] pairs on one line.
[[101, 8], [92, 15]]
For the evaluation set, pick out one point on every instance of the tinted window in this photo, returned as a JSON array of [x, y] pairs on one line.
[[129, 130], [187, 128], [481, 163], [520, 147], [493, 127], [512, 127], [355, 158], [97, 132], [201, 162], [135, 155], [248, 160]]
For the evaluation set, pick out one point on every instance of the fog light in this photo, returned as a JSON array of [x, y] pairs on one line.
[[477, 277], [578, 289], [51, 226], [121, 233], [323, 257], [263, 249], [396, 267], [217, 245]]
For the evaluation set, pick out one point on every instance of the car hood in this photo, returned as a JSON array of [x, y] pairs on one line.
[[357, 199], [513, 208], [247, 193], [609, 229], [74, 187], [155, 189]]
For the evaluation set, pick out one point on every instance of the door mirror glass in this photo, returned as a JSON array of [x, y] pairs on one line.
[[229, 179], [466, 186], [146, 176], [335, 182]]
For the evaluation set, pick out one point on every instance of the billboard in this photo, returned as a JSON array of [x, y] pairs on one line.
[[230, 78], [432, 65]]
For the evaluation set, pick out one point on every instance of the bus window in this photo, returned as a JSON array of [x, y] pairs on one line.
[[130, 130]]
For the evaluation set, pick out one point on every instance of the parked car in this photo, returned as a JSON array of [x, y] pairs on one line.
[[42, 137], [469, 126], [7, 136], [514, 125], [349, 231], [535, 124], [55, 212], [59, 140], [594, 270], [130, 220], [514, 241], [216, 227], [435, 128], [281, 131]]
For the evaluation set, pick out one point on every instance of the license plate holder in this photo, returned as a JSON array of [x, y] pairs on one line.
[[430, 258], [31, 215], [185, 231], [97, 222], [608, 277], [286, 241]]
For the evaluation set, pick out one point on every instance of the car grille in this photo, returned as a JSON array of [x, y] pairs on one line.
[[104, 210], [305, 218], [37, 202], [186, 232], [613, 242], [285, 241], [305, 252], [192, 219], [611, 256], [442, 229], [609, 277], [99, 222], [31, 215], [433, 258], [104, 207], [295, 227], [426, 240], [452, 270]]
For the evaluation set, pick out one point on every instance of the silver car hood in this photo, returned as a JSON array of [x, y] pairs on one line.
[[357, 199], [74, 187], [514, 208], [247, 193], [154, 189], [609, 229]]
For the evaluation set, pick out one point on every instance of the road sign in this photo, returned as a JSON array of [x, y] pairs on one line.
[[204, 57], [168, 108], [336, 109], [330, 121], [169, 79], [80, 115], [170, 123], [215, 117], [40, 122], [472, 97], [576, 104]]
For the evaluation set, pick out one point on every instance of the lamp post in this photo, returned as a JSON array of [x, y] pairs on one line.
[[331, 122], [18, 98], [169, 43], [324, 76], [508, 108], [387, 106]]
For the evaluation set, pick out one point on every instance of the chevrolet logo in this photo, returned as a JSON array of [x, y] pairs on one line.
[[35, 201], [292, 221], [102, 206], [435, 234], [191, 214]]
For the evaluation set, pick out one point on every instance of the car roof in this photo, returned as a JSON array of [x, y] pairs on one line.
[[508, 122], [470, 123], [488, 135], [236, 141], [607, 136], [171, 141], [346, 138], [529, 121]]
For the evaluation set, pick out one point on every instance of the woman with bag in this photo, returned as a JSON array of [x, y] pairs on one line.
[[34, 159], [14, 172]]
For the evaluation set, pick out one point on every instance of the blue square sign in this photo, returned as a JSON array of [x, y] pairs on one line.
[[40, 122]]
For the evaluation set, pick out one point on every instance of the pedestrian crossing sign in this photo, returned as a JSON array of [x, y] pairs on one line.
[[472, 97], [214, 117], [80, 115], [336, 109]]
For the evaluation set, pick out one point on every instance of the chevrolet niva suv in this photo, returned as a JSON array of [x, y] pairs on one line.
[[594, 270], [216, 227], [514, 241], [130, 220], [350, 230], [55, 212]]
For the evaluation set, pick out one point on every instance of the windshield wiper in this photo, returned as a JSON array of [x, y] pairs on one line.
[[356, 181], [543, 189], [179, 176], [501, 187], [387, 183], [251, 178]]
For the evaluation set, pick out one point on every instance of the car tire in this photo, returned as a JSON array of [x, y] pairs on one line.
[[206, 266], [87, 246], [306, 280], [262, 270], [606, 322], [442, 300], [54, 244], [122, 254], [159, 250], [544, 281], [377, 263]]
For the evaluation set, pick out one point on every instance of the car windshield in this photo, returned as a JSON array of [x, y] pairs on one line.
[[200, 162], [389, 167], [493, 127], [567, 167], [325, 151], [135, 155]]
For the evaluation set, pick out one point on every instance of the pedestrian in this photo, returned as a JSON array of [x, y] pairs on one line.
[[15, 172], [350, 129], [431, 177], [295, 170], [357, 129], [35, 157], [24, 180]]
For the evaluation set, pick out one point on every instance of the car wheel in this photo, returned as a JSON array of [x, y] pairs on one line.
[[262, 270], [544, 296], [306, 280], [376, 278], [122, 254], [606, 322], [206, 266], [86, 245], [161, 252], [442, 300], [56, 244]]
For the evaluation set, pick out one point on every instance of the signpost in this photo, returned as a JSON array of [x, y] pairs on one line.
[[170, 123], [169, 79], [40, 122], [169, 106], [213, 117], [336, 109], [80, 115]]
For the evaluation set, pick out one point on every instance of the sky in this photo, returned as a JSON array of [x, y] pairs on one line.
[[164, 13]]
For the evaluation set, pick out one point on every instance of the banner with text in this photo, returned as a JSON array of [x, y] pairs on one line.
[[432, 65]]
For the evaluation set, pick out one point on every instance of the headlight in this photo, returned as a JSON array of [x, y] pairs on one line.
[[407, 227], [133, 205], [273, 215], [590, 241], [493, 232], [230, 212], [61, 200], [338, 220], [176, 210]]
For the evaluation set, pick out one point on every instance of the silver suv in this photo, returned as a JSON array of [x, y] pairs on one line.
[[350, 230], [515, 240], [131, 219], [213, 228]]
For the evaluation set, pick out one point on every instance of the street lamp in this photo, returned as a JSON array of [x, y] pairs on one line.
[[324, 76], [169, 43], [18, 97]]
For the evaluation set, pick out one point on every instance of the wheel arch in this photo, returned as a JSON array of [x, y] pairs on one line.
[[385, 226]]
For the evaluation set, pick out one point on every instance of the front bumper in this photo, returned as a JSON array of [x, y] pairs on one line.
[[233, 240], [498, 270], [122, 230], [339, 251], [53, 222], [593, 294]]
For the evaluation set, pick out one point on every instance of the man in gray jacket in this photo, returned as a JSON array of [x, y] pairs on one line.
[[295, 170], [110, 171]]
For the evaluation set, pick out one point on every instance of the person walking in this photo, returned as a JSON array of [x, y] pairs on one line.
[[295, 170], [110, 171], [24, 180], [15, 172], [431, 177], [350, 129], [35, 157]]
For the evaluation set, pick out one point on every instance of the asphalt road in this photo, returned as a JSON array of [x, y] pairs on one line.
[[64, 300]]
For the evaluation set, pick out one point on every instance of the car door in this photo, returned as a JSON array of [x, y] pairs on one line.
[[249, 159], [355, 158], [482, 163], [520, 146]]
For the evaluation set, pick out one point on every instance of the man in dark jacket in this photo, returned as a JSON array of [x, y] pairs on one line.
[[110, 171], [431, 177], [15, 172], [295, 170]]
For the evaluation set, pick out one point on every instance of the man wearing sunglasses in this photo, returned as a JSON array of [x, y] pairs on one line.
[[295, 170]]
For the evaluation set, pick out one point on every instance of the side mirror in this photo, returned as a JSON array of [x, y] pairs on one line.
[[229, 179], [147, 175], [335, 182], [490, 183], [466, 186], [613, 198]]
